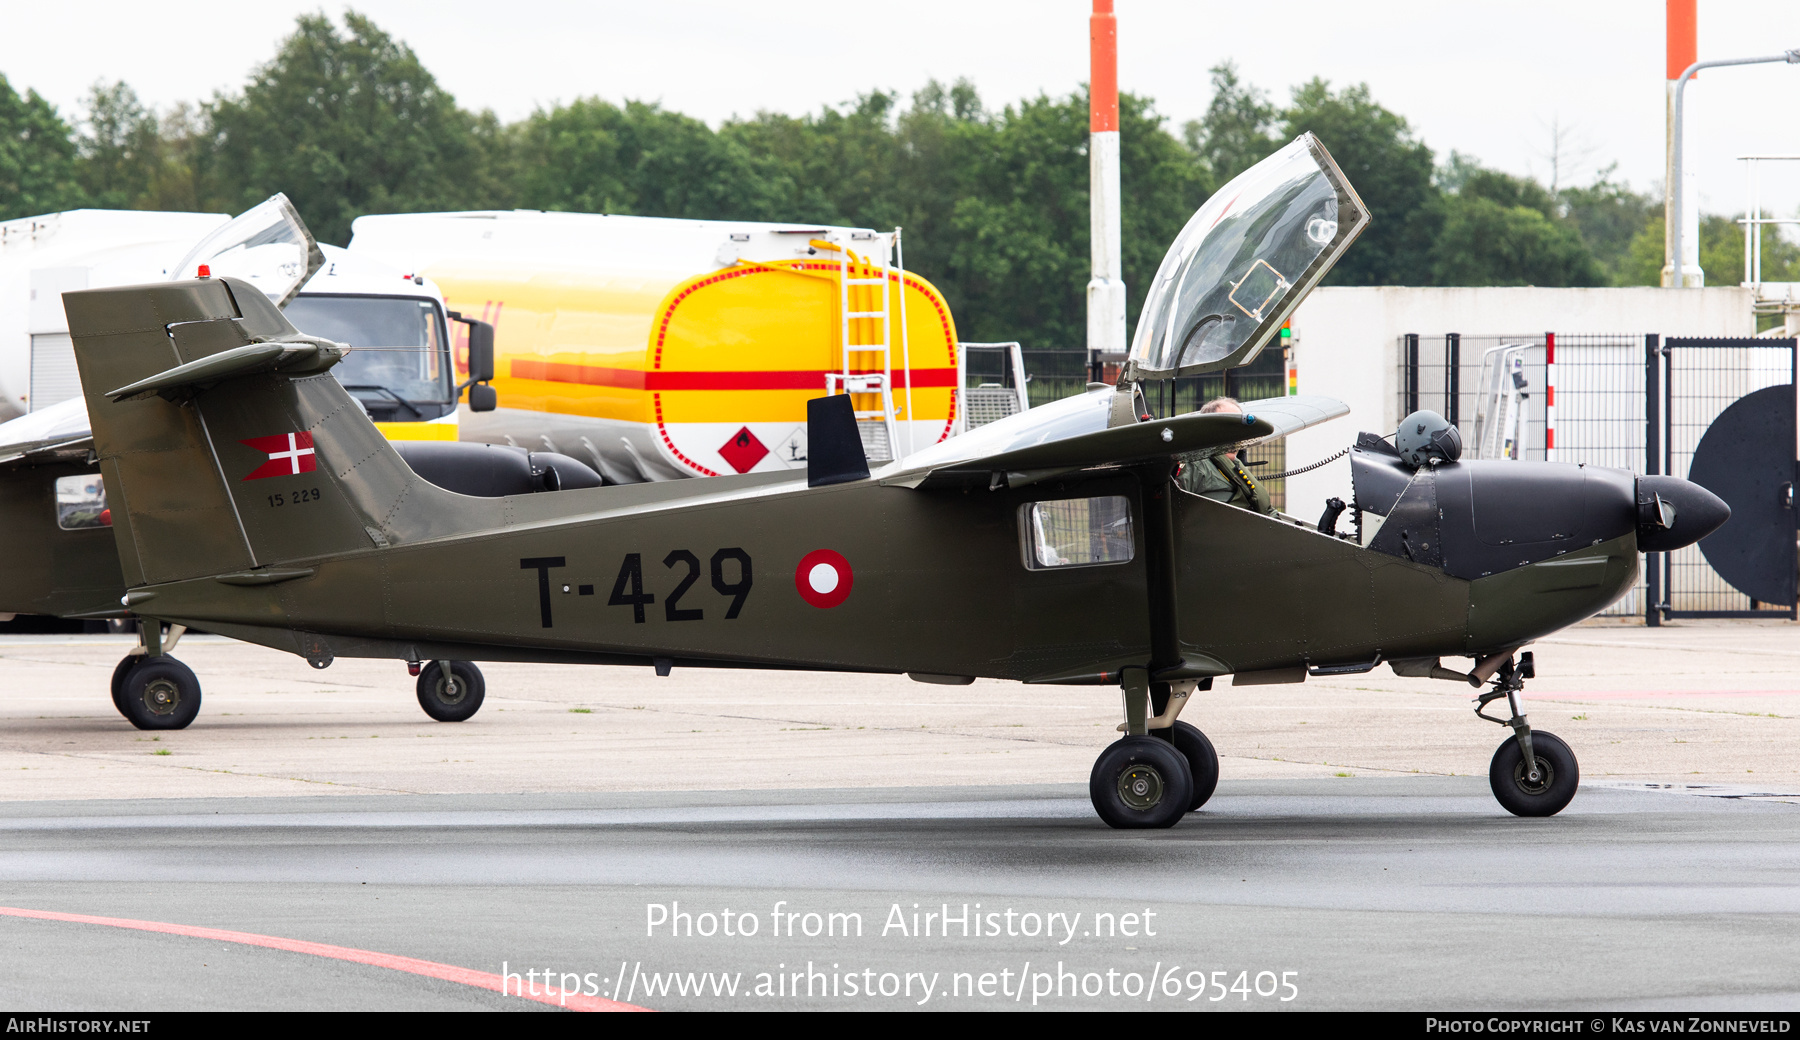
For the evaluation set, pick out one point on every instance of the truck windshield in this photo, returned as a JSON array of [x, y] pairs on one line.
[[399, 347]]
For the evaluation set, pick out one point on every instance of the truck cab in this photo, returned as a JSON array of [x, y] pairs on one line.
[[402, 370]]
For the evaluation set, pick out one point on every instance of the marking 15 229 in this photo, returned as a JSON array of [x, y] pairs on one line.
[[297, 496]]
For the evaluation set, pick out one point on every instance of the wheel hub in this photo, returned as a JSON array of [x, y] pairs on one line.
[[162, 697], [1141, 787], [451, 692], [1522, 777]]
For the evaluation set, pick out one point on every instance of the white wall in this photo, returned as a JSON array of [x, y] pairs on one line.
[[1346, 346]]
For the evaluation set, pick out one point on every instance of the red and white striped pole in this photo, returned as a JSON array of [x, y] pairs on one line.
[[1549, 397], [1106, 289]]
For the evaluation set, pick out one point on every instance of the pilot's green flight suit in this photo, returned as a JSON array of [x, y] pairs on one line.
[[1223, 478]]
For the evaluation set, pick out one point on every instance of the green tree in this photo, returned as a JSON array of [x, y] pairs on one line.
[[121, 149], [1238, 130], [592, 156], [1484, 242], [1721, 253], [1608, 216], [1498, 229], [37, 156], [995, 204], [1391, 171], [347, 124], [185, 178], [842, 165], [1509, 192], [1019, 258]]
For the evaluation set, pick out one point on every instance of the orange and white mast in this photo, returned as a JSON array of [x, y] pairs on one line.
[[1106, 289], [1682, 43]]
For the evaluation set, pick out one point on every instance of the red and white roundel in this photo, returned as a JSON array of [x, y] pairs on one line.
[[823, 578]]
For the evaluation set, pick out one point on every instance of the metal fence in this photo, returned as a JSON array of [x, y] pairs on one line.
[[1497, 389], [1699, 379]]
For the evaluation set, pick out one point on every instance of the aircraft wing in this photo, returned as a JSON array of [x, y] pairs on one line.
[[1072, 434], [60, 431], [1291, 414]]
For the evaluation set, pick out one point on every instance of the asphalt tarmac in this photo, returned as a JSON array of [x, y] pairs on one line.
[[1320, 893]]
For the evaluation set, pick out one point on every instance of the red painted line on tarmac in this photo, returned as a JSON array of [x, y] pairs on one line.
[[429, 969], [1616, 695]]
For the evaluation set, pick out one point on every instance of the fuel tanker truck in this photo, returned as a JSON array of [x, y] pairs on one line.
[[656, 348]]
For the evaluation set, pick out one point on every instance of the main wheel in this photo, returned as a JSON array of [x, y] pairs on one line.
[[118, 680], [1558, 776], [1203, 761], [454, 700], [1141, 782], [159, 693]]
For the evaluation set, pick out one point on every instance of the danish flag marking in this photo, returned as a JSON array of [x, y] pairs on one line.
[[290, 454]]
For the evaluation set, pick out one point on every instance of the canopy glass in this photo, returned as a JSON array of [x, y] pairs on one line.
[[1245, 261]]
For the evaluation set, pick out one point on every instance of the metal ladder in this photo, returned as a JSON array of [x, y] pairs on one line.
[[876, 425]]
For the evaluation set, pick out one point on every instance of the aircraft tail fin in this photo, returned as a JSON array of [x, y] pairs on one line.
[[226, 443]]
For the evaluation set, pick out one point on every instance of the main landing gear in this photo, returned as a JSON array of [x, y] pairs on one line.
[[1162, 769], [1533, 772], [151, 689]]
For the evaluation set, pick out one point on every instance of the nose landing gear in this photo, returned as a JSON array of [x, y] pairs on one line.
[[1533, 772]]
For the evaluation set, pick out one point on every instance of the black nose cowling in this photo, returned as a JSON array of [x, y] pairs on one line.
[[1673, 512]]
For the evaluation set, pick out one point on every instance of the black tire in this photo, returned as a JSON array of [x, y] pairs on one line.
[[160, 693], [445, 705], [1141, 782], [1506, 775], [118, 680], [1203, 761]]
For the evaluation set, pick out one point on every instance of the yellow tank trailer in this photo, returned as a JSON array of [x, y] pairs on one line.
[[661, 348]]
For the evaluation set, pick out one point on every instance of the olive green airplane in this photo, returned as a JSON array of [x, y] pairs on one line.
[[249, 496]]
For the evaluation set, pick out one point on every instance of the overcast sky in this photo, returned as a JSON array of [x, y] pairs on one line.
[[1484, 77]]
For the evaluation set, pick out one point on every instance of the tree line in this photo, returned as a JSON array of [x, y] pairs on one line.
[[346, 120]]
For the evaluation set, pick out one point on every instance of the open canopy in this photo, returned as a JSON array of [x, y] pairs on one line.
[[1245, 261], [267, 245]]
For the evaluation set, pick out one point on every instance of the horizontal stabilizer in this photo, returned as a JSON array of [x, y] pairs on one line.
[[296, 358]]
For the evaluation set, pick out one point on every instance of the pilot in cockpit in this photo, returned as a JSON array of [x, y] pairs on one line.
[[1223, 478]]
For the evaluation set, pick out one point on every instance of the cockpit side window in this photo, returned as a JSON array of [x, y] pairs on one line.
[[1076, 532]]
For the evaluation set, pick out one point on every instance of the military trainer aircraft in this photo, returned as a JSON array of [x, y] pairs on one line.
[[251, 497]]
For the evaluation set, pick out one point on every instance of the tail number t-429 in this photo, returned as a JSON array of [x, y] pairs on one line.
[[628, 588]]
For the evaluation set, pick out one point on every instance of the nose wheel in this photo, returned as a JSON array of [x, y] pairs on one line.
[[1546, 794]]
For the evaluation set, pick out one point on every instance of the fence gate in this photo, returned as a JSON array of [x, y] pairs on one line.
[[1723, 417]]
